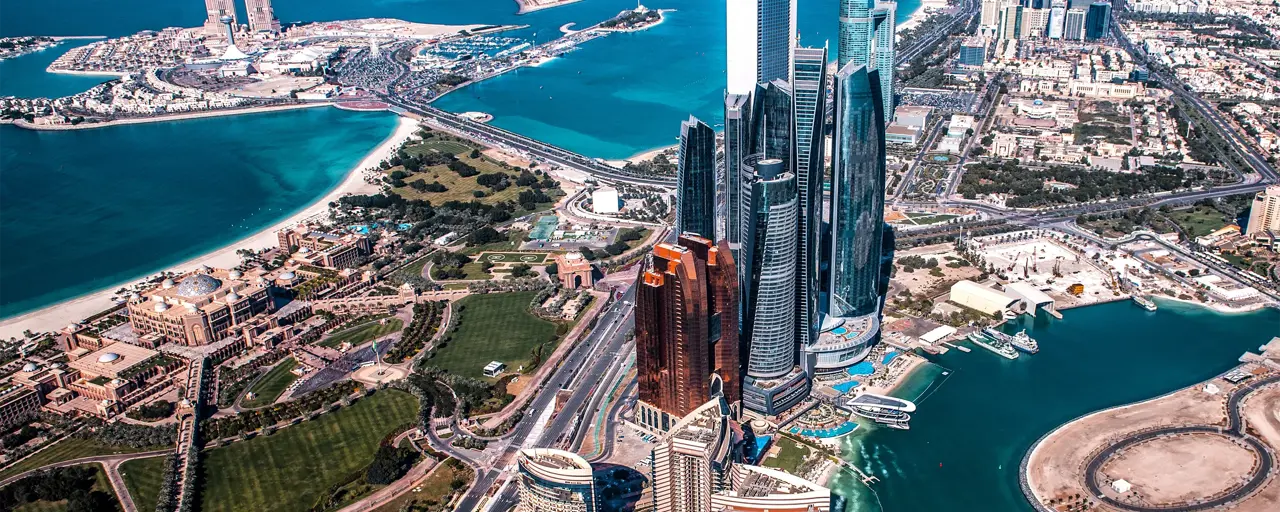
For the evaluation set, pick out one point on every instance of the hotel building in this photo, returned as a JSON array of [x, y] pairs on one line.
[[776, 30], [262, 18], [554, 481], [215, 10], [686, 330], [696, 179], [867, 38], [200, 308], [1264, 214], [310, 245]]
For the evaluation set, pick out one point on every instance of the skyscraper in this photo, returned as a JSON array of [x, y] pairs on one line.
[[262, 18], [855, 235], [990, 13], [1010, 22], [1098, 21], [771, 118], [696, 179], [214, 11], [741, 42], [866, 36], [686, 330], [1057, 19], [554, 480], [809, 79], [1073, 27], [776, 30], [1035, 23]]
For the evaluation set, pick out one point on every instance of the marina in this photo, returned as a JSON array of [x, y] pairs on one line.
[[1020, 341], [999, 347], [1146, 303]]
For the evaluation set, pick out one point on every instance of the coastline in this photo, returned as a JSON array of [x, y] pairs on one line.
[[526, 6], [172, 117], [1215, 307], [917, 16], [55, 316]]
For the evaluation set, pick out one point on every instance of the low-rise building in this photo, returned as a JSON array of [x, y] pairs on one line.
[[202, 307]]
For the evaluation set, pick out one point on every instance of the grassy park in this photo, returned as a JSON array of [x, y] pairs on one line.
[[100, 483], [67, 449], [457, 187], [494, 327], [363, 333], [294, 468], [531, 258], [433, 488], [143, 478], [790, 454], [271, 385], [1199, 220]]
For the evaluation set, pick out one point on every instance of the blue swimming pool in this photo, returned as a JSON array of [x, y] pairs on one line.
[[839, 331], [843, 429], [844, 387], [863, 368], [762, 444], [888, 357]]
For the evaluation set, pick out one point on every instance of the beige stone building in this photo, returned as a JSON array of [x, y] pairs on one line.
[[200, 308]]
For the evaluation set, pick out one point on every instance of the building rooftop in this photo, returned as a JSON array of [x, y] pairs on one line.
[[112, 360]]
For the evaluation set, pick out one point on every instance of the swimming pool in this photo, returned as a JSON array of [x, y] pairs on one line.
[[845, 387], [826, 433], [889, 356], [863, 368]]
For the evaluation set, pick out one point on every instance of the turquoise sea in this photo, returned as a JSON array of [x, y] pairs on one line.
[[87, 209], [975, 424]]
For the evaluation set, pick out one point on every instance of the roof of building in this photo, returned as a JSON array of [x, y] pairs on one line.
[[1028, 291], [112, 360]]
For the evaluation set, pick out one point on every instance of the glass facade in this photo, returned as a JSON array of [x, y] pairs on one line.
[[771, 118], [857, 194], [771, 313], [866, 37], [695, 177], [1098, 22], [737, 145], [776, 28], [809, 78]]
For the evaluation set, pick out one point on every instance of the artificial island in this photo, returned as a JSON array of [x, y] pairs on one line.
[[486, 321]]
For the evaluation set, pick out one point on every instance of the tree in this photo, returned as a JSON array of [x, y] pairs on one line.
[[475, 153], [521, 270]]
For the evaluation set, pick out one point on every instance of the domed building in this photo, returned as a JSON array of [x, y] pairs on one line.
[[199, 308]]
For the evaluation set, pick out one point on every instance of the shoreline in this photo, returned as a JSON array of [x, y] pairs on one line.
[[57, 315], [917, 16], [172, 117], [526, 7]]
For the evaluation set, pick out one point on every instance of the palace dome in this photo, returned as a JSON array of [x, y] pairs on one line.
[[197, 285], [108, 357]]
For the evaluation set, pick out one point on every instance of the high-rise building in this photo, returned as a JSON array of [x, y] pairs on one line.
[[771, 321], [214, 11], [262, 18], [771, 117], [1098, 21], [855, 236], [1035, 23], [866, 37], [741, 42], [696, 179], [553, 480], [990, 13], [686, 330], [776, 36], [1264, 213], [973, 52], [809, 86], [1057, 19], [1010, 22], [1073, 27]]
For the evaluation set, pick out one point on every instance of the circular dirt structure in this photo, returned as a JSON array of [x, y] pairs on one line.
[[373, 374], [1179, 468], [943, 158]]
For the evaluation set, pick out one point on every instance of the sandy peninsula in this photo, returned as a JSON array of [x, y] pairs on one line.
[[59, 315], [528, 6], [171, 117]]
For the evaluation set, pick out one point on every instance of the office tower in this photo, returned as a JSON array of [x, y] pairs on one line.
[[262, 18], [1098, 21], [1080, 4], [696, 179], [553, 480], [771, 117], [774, 383], [1010, 22], [1264, 213], [990, 13], [973, 52], [214, 11], [1073, 27], [693, 460], [741, 43], [808, 81], [776, 31], [1035, 23], [857, 195], [866, 36], [1057, 19], [686, 330]]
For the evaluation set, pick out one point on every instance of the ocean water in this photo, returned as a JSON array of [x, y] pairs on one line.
[[25, 76], [974, 425], [87, 209]]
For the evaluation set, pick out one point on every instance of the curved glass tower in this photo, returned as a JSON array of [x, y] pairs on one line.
[[695, 177], [773, 254], [857, 194]]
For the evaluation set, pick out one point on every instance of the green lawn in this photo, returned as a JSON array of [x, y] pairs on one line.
[[443, 146], [494, 327], [409, 271], [364, 332], [514, 238], [294, 468], [100, 483], [790, 455], [459, 188], [531, 258], [271, 385], [437, 484], [68, 449], [1198, 221], [143, 478]]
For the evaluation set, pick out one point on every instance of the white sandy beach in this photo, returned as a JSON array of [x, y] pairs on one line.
[[172, 117], [59, 315], [919, 14]]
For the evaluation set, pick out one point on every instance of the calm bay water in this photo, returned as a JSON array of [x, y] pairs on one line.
[[82, 210], [975, 424]]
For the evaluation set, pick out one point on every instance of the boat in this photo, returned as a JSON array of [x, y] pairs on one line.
[[1001, 348], [1020, 341], [1146, 303]]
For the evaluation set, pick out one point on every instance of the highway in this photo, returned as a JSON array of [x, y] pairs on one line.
[[927, 41], [592, 358]]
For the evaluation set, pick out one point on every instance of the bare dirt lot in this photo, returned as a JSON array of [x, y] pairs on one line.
[[1181, 468]]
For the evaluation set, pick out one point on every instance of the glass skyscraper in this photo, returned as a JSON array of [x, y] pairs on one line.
[[866, 37], [776, 29], [1098, 21], [773, 255], [809, 79], [695, 179], [857, 194]]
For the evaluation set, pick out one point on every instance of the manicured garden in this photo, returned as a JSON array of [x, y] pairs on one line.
[[271, 385], [494, 327], [143, 477], [790, 454], [363, 333], [298, 466], [67, 449]]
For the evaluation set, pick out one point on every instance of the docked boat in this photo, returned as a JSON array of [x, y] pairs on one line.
[[885, 410], [1001, 348], [1146, 303], [1020, 341]]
